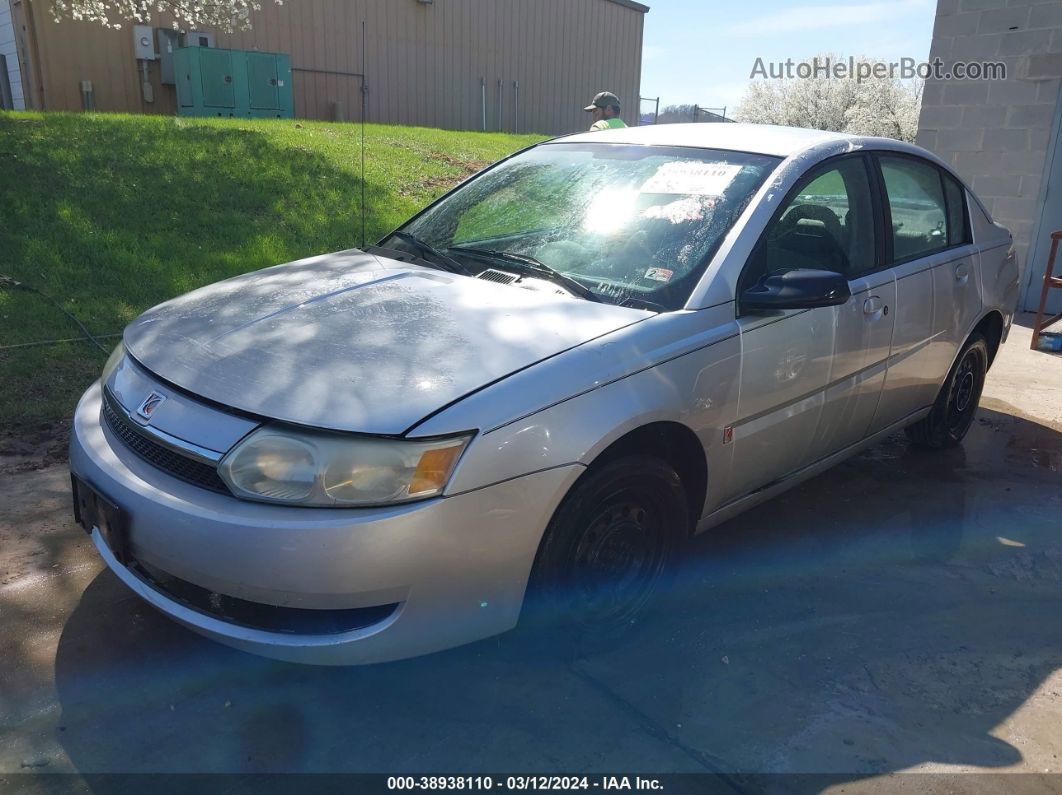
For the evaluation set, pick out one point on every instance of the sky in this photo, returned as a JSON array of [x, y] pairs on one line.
[[702, 51]]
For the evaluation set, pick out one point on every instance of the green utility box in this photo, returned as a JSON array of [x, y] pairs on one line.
[[239, 83]]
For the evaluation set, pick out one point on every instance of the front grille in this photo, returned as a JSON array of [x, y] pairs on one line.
[[256, 615], [169, 461]]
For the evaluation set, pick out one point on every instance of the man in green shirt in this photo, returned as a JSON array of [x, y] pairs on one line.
[[606, 110]]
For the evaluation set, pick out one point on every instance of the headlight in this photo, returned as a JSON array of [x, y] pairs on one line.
[[277, 464], [112, 361]]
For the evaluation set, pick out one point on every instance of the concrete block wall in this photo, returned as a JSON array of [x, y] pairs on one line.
[[996, 133], [10, 53]]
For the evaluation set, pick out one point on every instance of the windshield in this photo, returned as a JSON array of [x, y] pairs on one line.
[[635, 225]]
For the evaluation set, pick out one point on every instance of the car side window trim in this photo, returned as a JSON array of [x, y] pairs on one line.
[[806, 179], [879, 203]]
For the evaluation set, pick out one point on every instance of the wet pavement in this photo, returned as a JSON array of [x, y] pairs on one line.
[[897, 613]]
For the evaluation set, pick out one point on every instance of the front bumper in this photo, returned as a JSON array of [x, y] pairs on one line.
[[456, 566]]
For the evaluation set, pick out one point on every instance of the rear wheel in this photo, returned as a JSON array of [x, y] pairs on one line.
[[955, 407], [609, 549]]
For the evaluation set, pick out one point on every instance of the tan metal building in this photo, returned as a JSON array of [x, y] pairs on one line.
[[510, 65]]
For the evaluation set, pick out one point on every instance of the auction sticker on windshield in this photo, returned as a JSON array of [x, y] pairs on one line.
[[691, 178]]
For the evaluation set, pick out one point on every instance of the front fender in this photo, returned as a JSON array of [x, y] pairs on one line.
[[573, 432], [693, 383]]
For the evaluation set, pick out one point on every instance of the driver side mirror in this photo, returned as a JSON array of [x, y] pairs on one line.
[[801, 288]]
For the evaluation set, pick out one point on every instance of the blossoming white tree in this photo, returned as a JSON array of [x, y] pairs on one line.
[[874, 106], [225, 15]]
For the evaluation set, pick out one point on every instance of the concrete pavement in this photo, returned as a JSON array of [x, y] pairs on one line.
[[899, 613]]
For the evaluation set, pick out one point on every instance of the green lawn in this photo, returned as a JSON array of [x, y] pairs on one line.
[[111, 214]]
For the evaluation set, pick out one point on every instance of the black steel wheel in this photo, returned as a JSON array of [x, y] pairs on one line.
[[608, 552], [956, 405]]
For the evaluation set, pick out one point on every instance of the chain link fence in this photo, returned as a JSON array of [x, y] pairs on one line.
[[650, 112]]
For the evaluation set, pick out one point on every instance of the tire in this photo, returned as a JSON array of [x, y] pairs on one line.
[[608, 553], [955, 406]]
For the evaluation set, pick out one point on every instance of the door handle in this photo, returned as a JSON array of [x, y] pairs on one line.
[[873, 305], [962, 272]]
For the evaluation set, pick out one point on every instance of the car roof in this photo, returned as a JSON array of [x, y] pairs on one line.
[[764, 139]]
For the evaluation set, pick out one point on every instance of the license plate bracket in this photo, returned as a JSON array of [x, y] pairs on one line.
[[92, 509]]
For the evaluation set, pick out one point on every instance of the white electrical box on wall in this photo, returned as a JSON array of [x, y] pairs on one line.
[[144, 42]]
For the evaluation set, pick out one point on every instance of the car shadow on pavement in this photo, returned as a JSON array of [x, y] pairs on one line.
[[892, 612]]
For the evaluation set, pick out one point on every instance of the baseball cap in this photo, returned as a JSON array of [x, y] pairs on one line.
[[603, 100]]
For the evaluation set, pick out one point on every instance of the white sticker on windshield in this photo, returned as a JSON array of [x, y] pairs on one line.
[[659, 274], [691, 178]]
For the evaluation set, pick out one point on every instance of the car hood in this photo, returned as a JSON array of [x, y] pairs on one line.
[[357, 342]]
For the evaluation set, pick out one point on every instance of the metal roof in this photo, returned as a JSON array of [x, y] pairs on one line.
[[631, 4], [762, 138]]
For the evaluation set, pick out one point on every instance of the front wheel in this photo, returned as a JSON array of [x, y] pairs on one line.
[[610, 547], [953, 412]]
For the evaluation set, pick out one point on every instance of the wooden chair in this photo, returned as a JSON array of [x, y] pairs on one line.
[[1050, 280]]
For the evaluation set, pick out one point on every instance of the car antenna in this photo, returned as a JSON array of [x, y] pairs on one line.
[[364, 105]]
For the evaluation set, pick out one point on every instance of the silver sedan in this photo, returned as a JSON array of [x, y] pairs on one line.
[[533, 392]]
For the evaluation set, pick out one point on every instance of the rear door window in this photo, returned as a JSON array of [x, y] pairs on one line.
[[919, 212]]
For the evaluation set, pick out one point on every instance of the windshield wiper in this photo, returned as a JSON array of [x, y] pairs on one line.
[[530, 266], [641, 303], [432, 254]]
